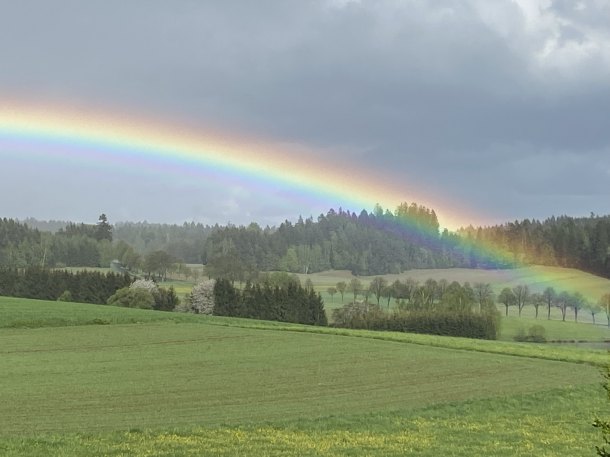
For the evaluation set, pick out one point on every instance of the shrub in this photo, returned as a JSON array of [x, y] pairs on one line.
[[535, 334], [66, 295], [439, 322], [166, 299], [201, 298], [145, 284], [132, 298], [358, 315]]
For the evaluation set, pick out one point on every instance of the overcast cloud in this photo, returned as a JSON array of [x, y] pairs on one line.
[[504, 105]]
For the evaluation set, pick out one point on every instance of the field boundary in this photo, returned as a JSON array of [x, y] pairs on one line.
[[526, 350]]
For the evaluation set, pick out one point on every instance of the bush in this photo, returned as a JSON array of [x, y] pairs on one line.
[[535, 334], [358, 315], [166, 299], [465, 324], [201, 298], [145, 284], [132, 298], [66, 295]]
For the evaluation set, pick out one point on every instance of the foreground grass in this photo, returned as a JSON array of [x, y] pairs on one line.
[[551, 423], [161, 375], [167, 384]]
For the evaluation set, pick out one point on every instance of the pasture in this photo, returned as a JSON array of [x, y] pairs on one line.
[[536, 277], [161, 384]]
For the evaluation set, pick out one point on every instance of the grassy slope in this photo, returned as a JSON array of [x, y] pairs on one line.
[[536, 277], [99, 378], [26, 313], [555, 330], [210, 388]]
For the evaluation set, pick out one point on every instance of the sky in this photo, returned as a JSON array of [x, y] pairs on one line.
[[491, 111]]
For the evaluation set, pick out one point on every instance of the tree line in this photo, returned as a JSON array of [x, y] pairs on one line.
[[368, 243], [411, 295], [45, 284], [565, 301], [82, 245], [284, 301], [378, 242], [581, 243], [440, 308]]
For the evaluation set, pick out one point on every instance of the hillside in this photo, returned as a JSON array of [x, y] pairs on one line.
[[537, 277]]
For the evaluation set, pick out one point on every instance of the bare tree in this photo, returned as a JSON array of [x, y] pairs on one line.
[[377, 286], [355, 286], [604, 302], [341, 286], [331, 291], [537, 300], [522, 294], [483, 294], [549, 295]]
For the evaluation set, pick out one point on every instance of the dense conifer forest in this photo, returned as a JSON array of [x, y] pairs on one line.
[[368, 243]]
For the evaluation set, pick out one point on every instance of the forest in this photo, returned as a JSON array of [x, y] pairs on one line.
[[368, 243]]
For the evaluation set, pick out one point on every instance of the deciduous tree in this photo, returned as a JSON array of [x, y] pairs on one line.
[[549, 296], [341, 287], [483, 294], [331, 291], [377, 286], [522, 294], [507, 298], [354, 286]]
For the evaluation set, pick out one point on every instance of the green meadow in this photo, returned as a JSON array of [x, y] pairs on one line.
[[98, 380], [537, 278]]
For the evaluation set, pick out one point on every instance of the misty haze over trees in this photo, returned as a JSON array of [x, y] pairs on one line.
[[369, 243]]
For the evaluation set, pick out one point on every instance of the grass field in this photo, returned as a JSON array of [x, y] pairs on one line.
[[153, 383], [536, 277]]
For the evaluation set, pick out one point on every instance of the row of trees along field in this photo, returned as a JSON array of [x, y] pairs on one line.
[[411, 295], [442, 308], [45, 284]]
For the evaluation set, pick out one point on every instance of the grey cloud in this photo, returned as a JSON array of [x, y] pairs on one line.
[[453, 96]]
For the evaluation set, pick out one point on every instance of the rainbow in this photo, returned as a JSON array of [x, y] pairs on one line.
[[114, 139], [121, 140]]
